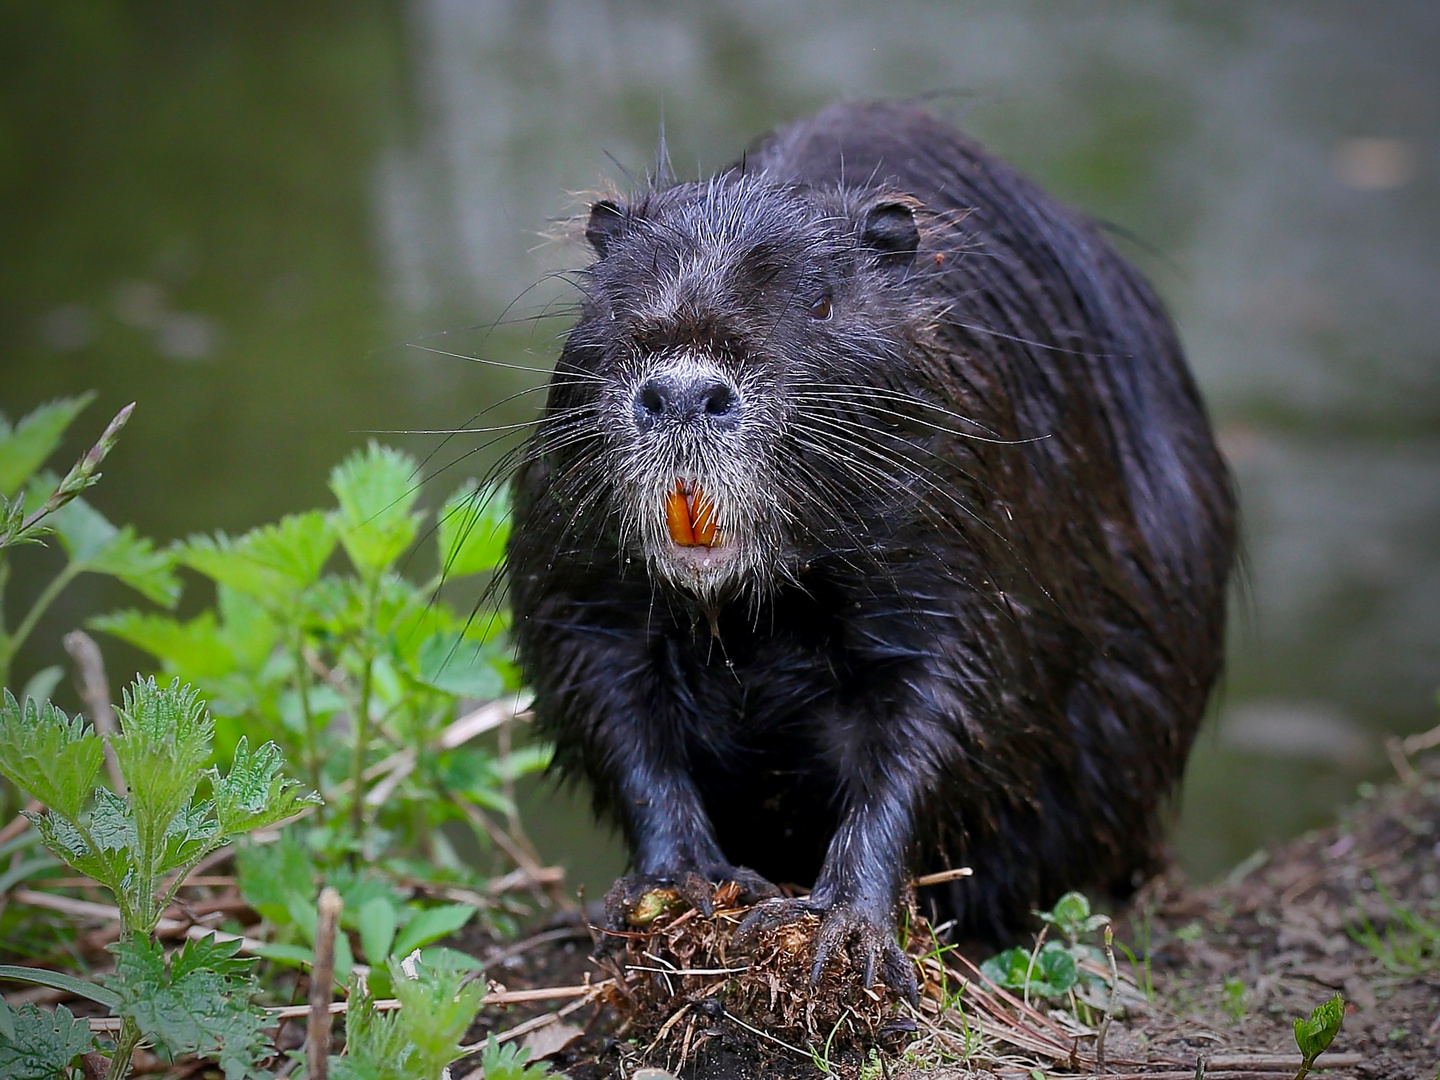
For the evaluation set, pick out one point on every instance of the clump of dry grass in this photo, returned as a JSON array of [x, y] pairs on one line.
[[679, 983]]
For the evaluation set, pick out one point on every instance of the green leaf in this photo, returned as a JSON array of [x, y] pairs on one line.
[[96, 545], [192, 650], [271, 874], [506, 1061], [273, 563], [430, 924], [1314, 1036], [254, 793], [525, 761], [451, 663], [165, 738], [1052, 973], [41, 685], [377, 921], [443, 954], [376, 489], [474, 528], [53, 757], [299, 955], [25, 446], [202, 649], [58, 980], [197, 1004], [42, 1045]]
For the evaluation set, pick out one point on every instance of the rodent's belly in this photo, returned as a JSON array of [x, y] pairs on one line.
[[772, 811]]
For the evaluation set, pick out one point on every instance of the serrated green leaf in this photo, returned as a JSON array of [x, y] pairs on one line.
[[42, 1044], [507, 1061], [1313, 1036], [416, 1041], [474, 527], [135, 561], [165, 738], [25, 446], [192, 650], [271, 874], [193, 833], [203, 649], [453, 664], [254, 793], [272, 563], [197, 1004], [431, 924], [376, 922], [95, 545], [376, 489], [52, 756]]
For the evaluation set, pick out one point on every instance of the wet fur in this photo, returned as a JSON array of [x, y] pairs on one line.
[[980, 602]]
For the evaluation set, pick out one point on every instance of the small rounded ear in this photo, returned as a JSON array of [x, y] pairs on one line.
[[607, 221], [890, 232]]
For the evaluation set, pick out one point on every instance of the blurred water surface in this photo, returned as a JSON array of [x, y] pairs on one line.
[[273, 223]]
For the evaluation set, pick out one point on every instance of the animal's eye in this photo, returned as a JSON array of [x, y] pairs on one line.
[[820, 309]]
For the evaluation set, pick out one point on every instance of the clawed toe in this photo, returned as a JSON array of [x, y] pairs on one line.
[[871, 941], [768, 915]]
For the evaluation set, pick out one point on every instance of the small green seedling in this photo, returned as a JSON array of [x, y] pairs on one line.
[[1314, 1036], [507, 1062], [1072, 916], [1049, 973], [418, 1040], [1234, 1000]]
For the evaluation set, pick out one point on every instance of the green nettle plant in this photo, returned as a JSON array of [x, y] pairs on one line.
[[418, 1040], [140, 846], [357, 674], [35, 504], [280, 881]]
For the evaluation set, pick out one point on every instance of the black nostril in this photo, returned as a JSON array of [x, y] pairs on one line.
[[652, 399], [719, 400]]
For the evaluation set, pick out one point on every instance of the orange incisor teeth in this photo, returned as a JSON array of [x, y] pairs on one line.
[[690, 516]]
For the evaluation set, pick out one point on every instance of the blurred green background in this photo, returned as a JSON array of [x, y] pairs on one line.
[[268, 222]]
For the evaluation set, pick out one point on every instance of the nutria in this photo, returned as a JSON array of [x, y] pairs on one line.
[[873, 527]]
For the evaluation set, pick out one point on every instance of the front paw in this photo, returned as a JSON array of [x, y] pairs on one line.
[[637, 900], [870, 939]]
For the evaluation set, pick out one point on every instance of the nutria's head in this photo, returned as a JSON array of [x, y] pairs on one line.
[[725, 327]]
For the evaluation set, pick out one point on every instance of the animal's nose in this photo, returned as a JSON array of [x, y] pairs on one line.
[[687, 397]]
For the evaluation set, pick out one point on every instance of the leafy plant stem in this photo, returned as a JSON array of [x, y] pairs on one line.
[[302, 688], [125, 1046], [362, 714], [10, 644]]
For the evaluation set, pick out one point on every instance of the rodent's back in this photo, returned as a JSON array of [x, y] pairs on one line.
[[1039, 285]]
